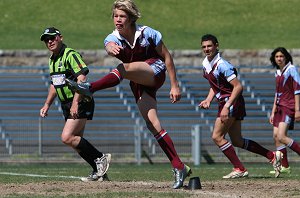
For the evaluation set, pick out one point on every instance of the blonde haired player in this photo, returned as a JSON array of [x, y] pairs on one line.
[[145, 61]]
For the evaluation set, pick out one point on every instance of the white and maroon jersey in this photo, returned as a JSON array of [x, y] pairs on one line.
[[219, 73], [287, 86], [143, 48]]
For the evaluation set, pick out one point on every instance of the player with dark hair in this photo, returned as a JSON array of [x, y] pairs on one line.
[[286, 107], [145, 61], [67, 63], [226, 87]]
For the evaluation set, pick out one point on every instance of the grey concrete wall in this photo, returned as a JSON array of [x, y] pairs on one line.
[[181, 57]]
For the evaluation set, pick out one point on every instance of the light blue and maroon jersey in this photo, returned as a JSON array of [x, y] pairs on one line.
[[287, 86], [143, 48], [219, 73]]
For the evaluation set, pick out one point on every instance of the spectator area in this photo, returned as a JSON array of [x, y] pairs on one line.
[[116, 118]]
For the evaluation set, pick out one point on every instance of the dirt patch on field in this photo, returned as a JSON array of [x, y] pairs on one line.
[[232, 188]]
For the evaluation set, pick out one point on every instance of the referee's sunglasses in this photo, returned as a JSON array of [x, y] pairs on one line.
[[50, 38]]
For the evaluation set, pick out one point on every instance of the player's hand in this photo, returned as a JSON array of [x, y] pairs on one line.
[[113, 49], [44, 111], [224, 114], [297, 116], [205, 104], [271, 119], [175, 94], [74, 110]]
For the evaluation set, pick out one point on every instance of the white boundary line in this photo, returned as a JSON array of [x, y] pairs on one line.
[[36, 175]]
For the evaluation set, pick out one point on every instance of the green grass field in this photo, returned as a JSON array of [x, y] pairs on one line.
[[239, 24], [22, 174]]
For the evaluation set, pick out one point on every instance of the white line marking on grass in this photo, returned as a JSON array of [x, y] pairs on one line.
[[214, 194], [36, 175]]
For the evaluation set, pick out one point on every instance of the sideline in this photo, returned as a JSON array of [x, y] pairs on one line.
[[42, 176]]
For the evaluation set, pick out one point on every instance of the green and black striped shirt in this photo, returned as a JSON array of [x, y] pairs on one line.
[[68, 64]]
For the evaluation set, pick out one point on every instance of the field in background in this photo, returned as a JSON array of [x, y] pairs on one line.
[[238, 24], [127, 180]]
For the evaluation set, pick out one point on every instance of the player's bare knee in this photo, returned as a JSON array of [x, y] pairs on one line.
[[66, 139], [216, 138], [281, 138]]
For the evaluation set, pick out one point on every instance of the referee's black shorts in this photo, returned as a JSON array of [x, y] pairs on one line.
[[85, 109]]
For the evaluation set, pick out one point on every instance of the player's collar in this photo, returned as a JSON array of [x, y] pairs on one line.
[[284, 68], [138, 32], [209, 65]]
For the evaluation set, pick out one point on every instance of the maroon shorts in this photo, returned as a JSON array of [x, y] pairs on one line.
[[284, 114], [160, 76], [236, 110], [138, 89]]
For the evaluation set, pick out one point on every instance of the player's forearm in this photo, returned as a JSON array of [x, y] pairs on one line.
[[51, 96], [236, 92], [211, 95], [171, 70], [274, 104], [173, 78], [297, 101]]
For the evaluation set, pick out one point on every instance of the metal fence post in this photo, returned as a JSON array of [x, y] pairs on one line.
[[10, 149], [40, 141], [8, 140], [196, 144], [137, 142]]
